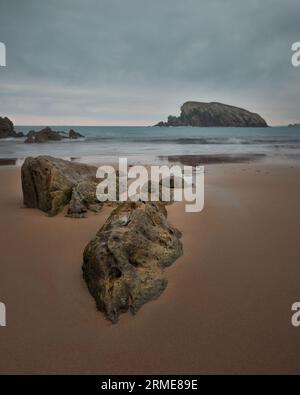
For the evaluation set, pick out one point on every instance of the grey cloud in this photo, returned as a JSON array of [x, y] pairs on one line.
[[139, 60]]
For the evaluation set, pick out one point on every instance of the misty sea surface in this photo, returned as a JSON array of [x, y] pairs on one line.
[[149, 144]]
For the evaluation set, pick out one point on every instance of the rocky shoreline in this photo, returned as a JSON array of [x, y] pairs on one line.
[[46, 134]]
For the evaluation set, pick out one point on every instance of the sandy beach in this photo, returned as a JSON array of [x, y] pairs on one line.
[[227, 307]]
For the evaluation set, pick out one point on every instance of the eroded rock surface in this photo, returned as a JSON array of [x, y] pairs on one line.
[[123, 265], [49, 183]]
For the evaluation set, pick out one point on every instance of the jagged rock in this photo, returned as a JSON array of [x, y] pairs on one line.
[[48, 182], [214, 114], [74, 135], [47, 134], [83, 199], [7, 129], [123, 265]]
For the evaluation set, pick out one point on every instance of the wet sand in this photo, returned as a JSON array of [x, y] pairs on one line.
[[227, 307], [196, 160]]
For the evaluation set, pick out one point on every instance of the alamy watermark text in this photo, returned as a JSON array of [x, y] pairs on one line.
[[2, 54], [296, 56], [152, 183]]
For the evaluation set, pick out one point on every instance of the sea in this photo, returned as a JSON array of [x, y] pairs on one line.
[[153, 144]]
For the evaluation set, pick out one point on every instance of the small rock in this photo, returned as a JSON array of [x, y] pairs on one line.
[[74, 135]]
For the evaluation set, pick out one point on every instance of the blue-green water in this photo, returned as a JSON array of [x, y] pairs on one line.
[[151, 142]]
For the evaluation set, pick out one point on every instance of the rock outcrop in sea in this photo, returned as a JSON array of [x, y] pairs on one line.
[[124, 264], [7, 129], [47, 134], [214, 114], [49, 184]]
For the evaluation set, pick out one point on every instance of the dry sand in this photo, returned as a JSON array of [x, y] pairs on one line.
[[227, 307]]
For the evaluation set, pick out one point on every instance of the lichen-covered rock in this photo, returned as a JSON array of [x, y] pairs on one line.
[[123, 265], [214, 114], [48, 182]]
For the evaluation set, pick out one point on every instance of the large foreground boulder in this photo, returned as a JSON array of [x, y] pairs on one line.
[[214, 114], [7, 129], [123, 265], [48, 183]]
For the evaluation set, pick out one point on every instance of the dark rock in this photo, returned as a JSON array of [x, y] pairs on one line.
[[8, 161], [47, 134], [196, 160], [44, 135], [7, 129], [214, 114], [74, 135], [48, 182], [30, 140], [161, 123], [174, 121], [31, 133], [19, 134], [123, 265]]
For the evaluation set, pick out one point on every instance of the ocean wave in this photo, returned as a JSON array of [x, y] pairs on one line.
[[196, 140], [15, 139], [78, 140]]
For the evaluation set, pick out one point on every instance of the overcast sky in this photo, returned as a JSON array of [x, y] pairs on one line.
[[134, 62]]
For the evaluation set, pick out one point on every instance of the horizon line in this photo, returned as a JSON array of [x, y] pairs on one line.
[[143, 126]]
